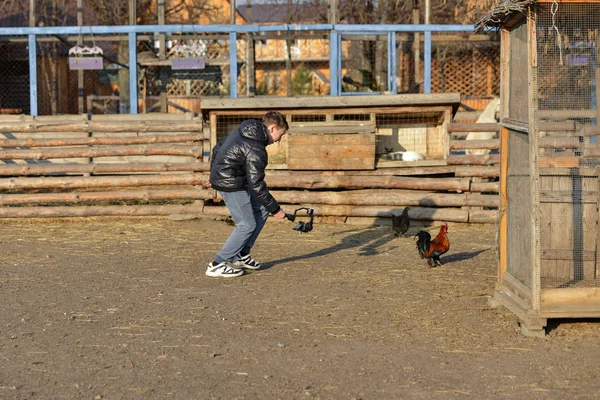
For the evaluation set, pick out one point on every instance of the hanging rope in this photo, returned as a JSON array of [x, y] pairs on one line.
[[553, 11]]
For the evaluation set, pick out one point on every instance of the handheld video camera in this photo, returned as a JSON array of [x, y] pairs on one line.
[[302, 226]]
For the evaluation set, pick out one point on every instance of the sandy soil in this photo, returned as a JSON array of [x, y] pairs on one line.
[[121, 309]]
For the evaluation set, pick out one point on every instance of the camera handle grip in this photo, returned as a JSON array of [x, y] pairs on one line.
[[291, 217]]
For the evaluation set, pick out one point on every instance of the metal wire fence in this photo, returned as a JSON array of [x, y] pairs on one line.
[[278, 63]]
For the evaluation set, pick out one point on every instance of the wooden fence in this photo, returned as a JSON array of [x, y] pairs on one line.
[[158, 164]]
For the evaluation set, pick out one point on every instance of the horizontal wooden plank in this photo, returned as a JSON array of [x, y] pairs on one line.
[[571, 302], [418, 163], [492, 144], [319, 181], [97, 168], [567, 254], [567, 114], [331, 129], [567, 196], [474, 127], [331, 151], [342, 139], [472, 159], [92, 126], [330, 163], [95, 141], [582, 172], [559, 162], [89, 211], [559, 142], [267, 102], [586, 131], [557, 126]]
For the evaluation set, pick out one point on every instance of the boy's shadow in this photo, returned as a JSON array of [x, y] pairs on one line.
[[369, 240]]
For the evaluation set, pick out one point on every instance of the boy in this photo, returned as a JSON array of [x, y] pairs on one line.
[[237, 171]]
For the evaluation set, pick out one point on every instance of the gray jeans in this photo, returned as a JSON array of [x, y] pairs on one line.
[[249, 216]]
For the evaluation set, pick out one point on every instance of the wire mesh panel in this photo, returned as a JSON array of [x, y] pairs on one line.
[[14, 85], [364, 66], [519, 208], [519, 61], [566, 122], [411, 136], [466, 64]]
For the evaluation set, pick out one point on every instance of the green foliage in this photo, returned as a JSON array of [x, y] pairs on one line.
[[302, 81]]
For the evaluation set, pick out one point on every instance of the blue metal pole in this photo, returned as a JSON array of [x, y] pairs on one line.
[[133, 72], [33, 95], [233, 82], [335, 55], [349, 28], [427, 63]]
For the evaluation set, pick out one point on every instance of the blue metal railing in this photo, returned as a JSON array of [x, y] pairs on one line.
[[335, 54]]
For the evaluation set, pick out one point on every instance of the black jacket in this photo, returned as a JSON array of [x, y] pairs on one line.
[[238, 163]]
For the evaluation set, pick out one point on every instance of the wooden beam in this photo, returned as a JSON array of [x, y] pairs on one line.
[[97, 169], [503, 207], [89, 197], [473, 127], [93, 126], [368, 182], [386, 197], [91, 141], [492, 144], [97, 211], [209, 103], [102, 151], [100, 181]]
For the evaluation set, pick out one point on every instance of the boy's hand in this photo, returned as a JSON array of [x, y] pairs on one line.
[[279, 214]]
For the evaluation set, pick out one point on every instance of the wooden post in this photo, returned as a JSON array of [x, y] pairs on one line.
[[213, 131], [597, 79], [250, 57], [80, 83], [533, 160], [288, 54], [333, 12], [162, 55], [417, 44], [232, 13], [597, 267], [31, 13], [503, 207], [250, 66]]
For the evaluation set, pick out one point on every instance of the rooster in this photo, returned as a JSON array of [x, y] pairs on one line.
[[433, 249], [401, 223]]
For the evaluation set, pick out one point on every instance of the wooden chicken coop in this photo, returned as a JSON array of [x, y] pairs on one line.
[[549, 226], [343, 133]]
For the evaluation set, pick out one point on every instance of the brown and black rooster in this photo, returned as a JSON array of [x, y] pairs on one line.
[[401, 223], [433, 249]]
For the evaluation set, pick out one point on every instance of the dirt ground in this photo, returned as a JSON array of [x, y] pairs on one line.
[[121, 309]]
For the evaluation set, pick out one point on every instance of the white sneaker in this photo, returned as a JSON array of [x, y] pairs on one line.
[[246, 262], [222, 270]]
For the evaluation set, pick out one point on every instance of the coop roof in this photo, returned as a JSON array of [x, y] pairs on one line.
[[502, 13]]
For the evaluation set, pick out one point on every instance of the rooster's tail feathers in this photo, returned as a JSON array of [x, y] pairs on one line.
[[424, 238]]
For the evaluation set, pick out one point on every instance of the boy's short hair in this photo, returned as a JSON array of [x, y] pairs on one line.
[[276, 118]]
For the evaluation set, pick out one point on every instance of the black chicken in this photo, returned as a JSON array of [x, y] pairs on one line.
[[401, 223]]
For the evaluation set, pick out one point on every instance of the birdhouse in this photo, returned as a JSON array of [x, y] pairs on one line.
[[187, 56], [549, 225], [84, 57]]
